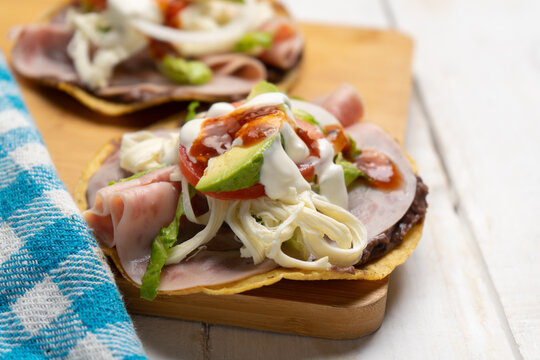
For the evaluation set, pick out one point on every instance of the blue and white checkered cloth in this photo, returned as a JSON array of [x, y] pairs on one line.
[[57, 295]]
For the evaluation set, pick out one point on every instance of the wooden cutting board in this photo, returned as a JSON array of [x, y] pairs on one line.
[[378, 63]]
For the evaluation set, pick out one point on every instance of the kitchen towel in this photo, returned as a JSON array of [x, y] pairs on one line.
[[57, 295]]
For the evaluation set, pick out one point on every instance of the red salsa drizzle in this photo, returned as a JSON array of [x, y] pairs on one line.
[[380, 169], [252, 125], [170, 10], [159, 49], [309, 135], [335, 134], [92, 5]]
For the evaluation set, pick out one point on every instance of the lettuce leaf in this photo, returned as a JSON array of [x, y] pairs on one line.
[[160, 251], [304, 115], [350, 170], [354, 151], [253, 40], [191, 110], [182, 71]]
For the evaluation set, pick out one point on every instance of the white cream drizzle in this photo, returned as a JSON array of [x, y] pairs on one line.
[[330, 176], [219, 109], [267, 99], [295, 148], [280, 175]]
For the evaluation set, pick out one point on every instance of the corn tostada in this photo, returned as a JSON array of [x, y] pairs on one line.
[[251, 192], [119, 56]]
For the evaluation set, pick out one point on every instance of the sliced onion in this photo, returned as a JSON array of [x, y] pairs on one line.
[[228, 33]]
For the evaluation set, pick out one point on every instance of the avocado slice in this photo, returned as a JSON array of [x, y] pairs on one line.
[[235, 169]]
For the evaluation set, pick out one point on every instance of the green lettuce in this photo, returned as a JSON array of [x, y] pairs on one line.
[[307, 117], [191, 110], [350, 170], [354, 151], [253, 40], [160, 251], [185, 72]]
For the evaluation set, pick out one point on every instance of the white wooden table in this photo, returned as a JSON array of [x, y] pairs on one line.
[[472, 287]]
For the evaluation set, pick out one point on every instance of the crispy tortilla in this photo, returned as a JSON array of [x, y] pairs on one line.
[[375, 270], [112, 108]]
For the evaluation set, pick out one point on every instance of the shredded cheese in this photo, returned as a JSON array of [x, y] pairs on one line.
[[318, 220], [218, 210], [144, 150]]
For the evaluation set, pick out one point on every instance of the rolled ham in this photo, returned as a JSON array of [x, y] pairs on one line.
[[40, 53], [133, 210], [344, 103]]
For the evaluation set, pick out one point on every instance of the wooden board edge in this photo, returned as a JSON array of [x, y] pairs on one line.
[[258, 311]]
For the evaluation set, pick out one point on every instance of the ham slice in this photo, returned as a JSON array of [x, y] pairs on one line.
[[109, 171], [138, 79], [381, 209], [128, 215], [205, 268], [133, 210], [344, 103], [286, 52], [40, 52]]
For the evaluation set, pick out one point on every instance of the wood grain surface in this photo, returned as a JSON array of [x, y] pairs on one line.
[[377, 62]]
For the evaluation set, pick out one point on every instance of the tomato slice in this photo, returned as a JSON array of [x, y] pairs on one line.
[[194, 171]]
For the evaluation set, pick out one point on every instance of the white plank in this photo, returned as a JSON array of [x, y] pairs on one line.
[[171, 339], [366, 13], [440, 303], [478, 66]]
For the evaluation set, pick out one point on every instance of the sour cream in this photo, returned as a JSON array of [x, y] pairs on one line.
[[295, 148], [280, 176], [268, 99], [189, 133], [220, 109], [331, 176]]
